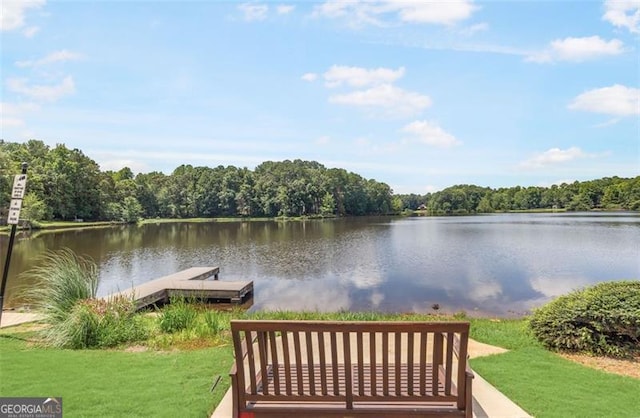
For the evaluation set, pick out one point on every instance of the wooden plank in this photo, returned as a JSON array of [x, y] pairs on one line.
[[348, 382], [273, 342], [423, 364], [189, 283], [398, 362], [437, 359], [410, 350], [252, 362], [372, 360], [334, 363], [323, 364], [449, 364], [312, 376], [287, 363]]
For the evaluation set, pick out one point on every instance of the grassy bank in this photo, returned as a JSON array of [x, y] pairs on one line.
[[545, 384], [109, 383], [53, 226]]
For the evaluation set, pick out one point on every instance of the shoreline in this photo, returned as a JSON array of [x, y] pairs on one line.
[[57, 226]]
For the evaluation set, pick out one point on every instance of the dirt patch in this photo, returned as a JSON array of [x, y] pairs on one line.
[[630, 367], [136, 349]]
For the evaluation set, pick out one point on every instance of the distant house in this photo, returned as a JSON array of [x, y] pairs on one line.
[[422, 207]]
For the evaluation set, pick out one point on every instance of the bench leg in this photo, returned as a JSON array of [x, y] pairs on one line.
[[469, 397]]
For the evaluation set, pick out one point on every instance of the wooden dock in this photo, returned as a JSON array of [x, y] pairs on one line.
[[191, 283]]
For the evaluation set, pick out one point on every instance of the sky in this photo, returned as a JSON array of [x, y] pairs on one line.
[[420, 95]]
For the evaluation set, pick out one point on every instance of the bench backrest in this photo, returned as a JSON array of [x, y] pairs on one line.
[[351, 361]]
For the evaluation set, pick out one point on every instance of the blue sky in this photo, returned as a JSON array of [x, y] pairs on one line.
[[420, 95]]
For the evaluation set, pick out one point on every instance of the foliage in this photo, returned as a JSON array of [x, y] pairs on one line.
[[60, 280], [603, 319], [177, 316], [72, 187], [67, 185], [65, 292], [98, 323], [214, 321], [33, 208], [610, 193]]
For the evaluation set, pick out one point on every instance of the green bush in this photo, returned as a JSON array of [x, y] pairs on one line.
[[176, 316], [98, 323], [60, 280], [602, 320], [214, 322], [65, 292]]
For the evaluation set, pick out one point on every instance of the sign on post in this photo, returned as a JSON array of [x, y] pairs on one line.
[[19, 186], [14, 212]]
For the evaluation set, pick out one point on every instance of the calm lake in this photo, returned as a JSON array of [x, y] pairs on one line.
[[485, 265]]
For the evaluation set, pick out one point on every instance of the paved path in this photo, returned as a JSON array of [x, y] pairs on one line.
[[10, 318], [488, 402]]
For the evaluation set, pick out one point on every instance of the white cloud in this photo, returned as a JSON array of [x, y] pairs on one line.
[[11, 114], [309, 77], [13, 12], [41, 92], [577, 50], [360, 77], [623, 14], [473, 29], [431, 134], [57, 56], [118, 164], [284, 9], [31, 31], [437, 12], [410, 11], [616, 100], [394, 99], [254, 11], [554, 156]]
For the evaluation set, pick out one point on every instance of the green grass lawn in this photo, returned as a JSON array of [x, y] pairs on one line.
[[115, 383], [545, 384], [109, 383]]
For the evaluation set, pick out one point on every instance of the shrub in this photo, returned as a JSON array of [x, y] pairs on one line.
[[98, 323], [65, 292], [178, 315], [61, 279], [602, 320], [213, 321]]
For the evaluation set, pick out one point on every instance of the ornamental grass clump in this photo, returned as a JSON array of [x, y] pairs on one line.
[[177, 316], [60, 280], [601, 320], [64, 291]]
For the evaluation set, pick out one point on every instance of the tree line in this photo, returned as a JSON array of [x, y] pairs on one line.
[[65, 184], [609, 193]]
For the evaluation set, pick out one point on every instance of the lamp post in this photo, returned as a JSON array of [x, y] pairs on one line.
[[19, 184]]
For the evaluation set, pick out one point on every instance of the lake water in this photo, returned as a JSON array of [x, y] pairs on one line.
[[502, 264]]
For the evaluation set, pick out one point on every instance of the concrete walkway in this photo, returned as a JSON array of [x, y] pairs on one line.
[[11, 318], [488, 402]]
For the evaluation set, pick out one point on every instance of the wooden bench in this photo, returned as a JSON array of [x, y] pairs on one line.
[[321, 368]]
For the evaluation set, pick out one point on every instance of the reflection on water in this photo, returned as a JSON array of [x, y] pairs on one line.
[[493, 264]]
